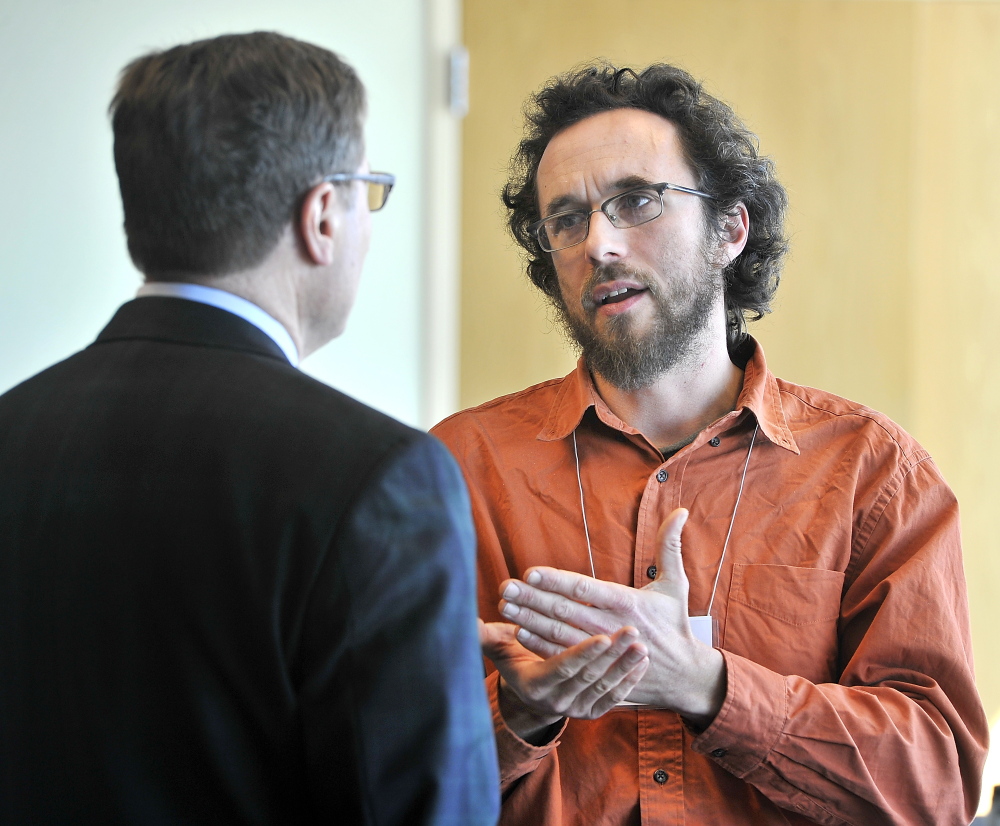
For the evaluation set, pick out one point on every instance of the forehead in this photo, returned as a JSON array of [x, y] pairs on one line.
[[587, 159]]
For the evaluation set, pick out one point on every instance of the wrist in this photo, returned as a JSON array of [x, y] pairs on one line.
[[703, 704], [530, 725]]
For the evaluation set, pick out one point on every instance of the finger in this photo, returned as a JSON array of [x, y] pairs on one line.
[[670, 562], [555, 684], [564, 623], [623, 654], [537, 645], [625, 661], [595, 595], [496, 638], [622, 690], [563, 668]]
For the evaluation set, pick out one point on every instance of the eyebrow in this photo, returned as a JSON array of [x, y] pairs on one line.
[[567, 203]]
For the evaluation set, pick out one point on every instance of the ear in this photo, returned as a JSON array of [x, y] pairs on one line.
[[734, 234], [319, 222]]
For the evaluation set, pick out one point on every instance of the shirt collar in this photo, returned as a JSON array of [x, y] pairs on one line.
[[230, 302], [760, 395]]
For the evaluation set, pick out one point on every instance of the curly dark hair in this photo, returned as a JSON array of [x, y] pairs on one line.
[[721, 151]]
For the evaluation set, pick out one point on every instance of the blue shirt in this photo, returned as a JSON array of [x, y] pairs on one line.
[[229, 302]]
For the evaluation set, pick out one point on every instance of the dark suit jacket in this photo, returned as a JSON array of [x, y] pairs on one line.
[[230, 594]]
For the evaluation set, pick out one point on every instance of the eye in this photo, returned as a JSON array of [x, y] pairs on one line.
[[566, 222], [636, 203], [634, 200], [634, 207]]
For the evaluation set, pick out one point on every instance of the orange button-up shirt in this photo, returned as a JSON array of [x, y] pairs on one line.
[[841, 608]]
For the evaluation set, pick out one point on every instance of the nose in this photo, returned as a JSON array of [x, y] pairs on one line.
[[604, 241]]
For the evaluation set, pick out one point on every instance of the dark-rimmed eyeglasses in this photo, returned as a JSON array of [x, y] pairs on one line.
[[380, 184], [630, 208]]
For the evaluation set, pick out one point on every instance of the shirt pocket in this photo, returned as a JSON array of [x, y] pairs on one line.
[[785, 618]]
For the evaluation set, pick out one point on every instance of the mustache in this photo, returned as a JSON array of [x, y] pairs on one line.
[[602, 273]]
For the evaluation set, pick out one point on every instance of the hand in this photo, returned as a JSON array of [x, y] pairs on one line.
[[559, 609], [583, 681]]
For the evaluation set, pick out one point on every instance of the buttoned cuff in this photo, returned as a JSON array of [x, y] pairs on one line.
[[751, 719], [517, 757]]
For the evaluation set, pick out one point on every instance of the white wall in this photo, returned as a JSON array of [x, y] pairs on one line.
[[64, 267]]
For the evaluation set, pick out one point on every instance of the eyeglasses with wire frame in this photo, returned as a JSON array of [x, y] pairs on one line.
[[627, 209], [380, 184]]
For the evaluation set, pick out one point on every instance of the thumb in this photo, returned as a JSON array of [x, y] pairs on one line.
[[496, 638], [669, 562]]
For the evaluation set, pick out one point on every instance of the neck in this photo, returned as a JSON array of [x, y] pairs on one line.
[[683, 400], [273, 286]]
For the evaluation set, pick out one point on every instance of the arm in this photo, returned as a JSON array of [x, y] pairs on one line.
[[900, 738], [402, 695]]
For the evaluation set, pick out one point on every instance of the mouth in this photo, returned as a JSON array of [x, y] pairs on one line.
[[619, 295]]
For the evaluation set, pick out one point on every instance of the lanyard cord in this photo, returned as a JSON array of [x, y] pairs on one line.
[[729, 533], [583, 507]]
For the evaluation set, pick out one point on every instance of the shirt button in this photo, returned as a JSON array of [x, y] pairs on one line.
[[660, 776], [662, 475], [651, 572], [719, 753], [714, 441]]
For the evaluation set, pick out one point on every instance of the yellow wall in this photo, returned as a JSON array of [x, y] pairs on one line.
[[954, 277], [884, 121]]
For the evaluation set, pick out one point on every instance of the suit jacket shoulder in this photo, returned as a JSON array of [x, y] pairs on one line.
[[195, 534]]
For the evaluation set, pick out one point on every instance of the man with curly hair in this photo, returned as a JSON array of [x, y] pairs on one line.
[[806, 658]]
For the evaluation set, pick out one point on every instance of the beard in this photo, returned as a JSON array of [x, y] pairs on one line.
[[631, 360]]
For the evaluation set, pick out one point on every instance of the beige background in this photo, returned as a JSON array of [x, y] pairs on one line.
[[884, 121]]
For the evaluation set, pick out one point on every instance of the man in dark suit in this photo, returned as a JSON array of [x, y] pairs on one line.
[[229, 593]]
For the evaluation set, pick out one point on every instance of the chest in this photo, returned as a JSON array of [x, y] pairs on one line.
[[764, 549]]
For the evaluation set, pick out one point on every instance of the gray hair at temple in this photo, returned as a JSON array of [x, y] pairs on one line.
[[217, 142]]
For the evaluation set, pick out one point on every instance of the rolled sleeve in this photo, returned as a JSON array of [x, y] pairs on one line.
[[517, 757], [752, 717]]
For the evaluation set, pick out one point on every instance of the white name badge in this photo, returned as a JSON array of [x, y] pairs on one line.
[[705, 629]]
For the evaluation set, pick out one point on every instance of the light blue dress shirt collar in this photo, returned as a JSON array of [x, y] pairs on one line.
[[246, 310]]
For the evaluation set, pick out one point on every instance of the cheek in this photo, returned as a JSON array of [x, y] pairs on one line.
[[571, 269], [367, 230], [356, 251], [677, 253], [569, 292]]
